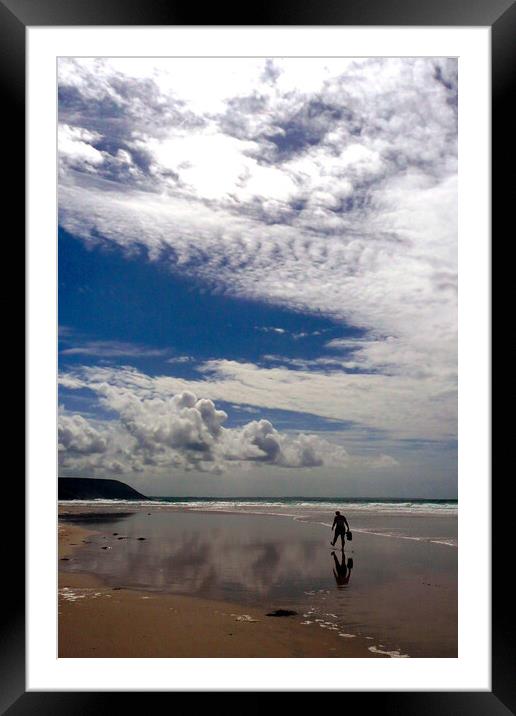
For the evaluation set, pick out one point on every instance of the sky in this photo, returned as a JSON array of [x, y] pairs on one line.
[[257, 275]]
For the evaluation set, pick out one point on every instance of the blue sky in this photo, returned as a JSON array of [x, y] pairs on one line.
[[257, 275], [104, 296], [122, 310]]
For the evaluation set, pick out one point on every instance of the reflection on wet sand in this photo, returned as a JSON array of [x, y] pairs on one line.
[[342, 569], [214, 561]]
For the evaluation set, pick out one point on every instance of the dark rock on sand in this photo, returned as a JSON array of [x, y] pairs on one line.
[[281, 613]]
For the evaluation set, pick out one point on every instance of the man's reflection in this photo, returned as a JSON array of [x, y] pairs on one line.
[[342, 569]]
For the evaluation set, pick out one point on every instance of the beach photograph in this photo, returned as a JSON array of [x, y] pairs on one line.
[[257, 357]]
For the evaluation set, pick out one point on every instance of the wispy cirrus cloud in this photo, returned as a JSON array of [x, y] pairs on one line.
[[112, 349]]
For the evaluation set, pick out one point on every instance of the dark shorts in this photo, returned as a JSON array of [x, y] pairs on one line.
[[340, 532]]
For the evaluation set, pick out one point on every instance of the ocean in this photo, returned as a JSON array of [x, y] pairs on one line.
[[245, 504]]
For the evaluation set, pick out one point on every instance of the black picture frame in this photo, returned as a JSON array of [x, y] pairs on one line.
[[500, 16]]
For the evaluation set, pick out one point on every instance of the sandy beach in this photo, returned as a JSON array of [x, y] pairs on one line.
[[98, 620], [154, 579]]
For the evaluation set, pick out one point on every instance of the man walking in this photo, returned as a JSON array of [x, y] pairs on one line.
[[340, 524]]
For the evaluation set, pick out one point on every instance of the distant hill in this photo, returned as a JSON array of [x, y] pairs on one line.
[[89, 488]]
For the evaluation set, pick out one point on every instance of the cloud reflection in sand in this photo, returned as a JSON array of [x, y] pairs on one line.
[[213, 560]]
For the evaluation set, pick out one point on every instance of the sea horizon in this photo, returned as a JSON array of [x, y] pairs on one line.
[[296, 505], [306, 498]]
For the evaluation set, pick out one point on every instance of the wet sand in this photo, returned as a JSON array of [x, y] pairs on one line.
[[97, 620], [398, 598]]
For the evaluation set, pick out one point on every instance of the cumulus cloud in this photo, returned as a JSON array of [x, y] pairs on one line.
[[76, 435], [261, 442], [85, 448], [158, 430]]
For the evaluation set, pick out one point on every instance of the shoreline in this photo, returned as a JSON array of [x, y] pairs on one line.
[[101, 621], [358, 507], [71, 509]]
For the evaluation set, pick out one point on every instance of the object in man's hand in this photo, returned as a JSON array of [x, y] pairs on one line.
[[349, 535]]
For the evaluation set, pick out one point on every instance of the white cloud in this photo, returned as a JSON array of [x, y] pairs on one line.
[[400, 406], [76, 435], [75, 147], [181, 359], [158, 430], [270, 329], [260, 441], [111, 349]]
